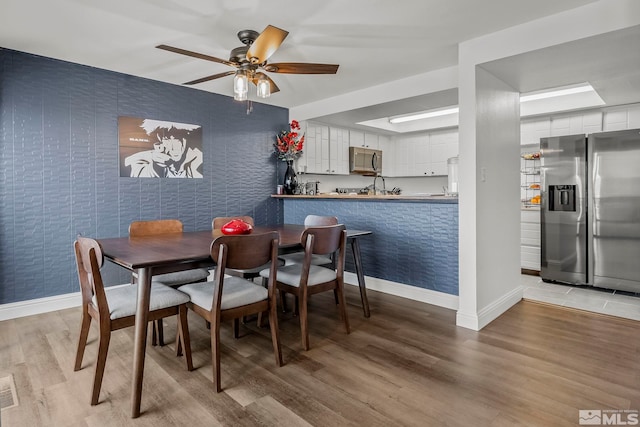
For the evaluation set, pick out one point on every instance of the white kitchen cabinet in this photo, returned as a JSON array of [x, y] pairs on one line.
[[442, 146], [388, 155], [338, 151], [423, 154], [311, 159], [356, 138], [371, 141], [533, 129], [326, 150], [530, 239], [363, 139]]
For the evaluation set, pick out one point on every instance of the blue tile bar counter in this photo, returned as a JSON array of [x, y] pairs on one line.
[[414, 240]]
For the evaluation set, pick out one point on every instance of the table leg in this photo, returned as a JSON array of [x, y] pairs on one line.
[[140, 338], [355, 248]]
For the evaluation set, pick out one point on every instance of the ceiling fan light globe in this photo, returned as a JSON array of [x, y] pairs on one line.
[[263, 88], [240, 82], [240, 96]]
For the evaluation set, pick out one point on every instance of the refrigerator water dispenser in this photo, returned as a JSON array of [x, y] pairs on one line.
[[562, 198]]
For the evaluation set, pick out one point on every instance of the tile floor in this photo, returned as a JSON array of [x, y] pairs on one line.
[[605, 301]]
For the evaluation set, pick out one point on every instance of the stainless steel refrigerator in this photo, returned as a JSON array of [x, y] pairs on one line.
[[590, 209]]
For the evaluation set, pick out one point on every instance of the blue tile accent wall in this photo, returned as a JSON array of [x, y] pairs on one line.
[[59, 166], [415, 243]]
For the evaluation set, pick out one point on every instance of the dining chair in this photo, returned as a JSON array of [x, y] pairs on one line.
[[115, 308], [232, 297], [249, 273], [298, 257], [306, 279], [166, 226]]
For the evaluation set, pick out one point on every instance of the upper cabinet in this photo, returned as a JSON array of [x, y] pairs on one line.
[[338, 152], [627, 117], [531, 130], [422, 154], [326, 150]]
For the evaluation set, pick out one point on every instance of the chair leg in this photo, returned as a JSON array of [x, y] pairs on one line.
[[236, 327], [183, 340], [343, 307], [82, 340], [215, 353], [304, 330], [157, 333], [335, 296], [103, 348], [283, 300], [275, 334]]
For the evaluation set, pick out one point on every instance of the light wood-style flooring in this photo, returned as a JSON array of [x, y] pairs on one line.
[[536, 365]]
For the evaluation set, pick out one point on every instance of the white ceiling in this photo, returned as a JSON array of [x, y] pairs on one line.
[[374, 42]]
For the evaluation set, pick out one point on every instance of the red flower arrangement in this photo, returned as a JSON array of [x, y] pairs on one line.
[[290, 143]]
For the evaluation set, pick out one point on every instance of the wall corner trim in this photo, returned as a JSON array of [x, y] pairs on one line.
[[477, 321]]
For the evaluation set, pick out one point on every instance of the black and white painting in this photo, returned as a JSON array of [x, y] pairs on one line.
[[159, 149]]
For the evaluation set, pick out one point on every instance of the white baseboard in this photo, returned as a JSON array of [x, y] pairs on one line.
[[41, 305], [477, 321], [60, 302], [406, 291], [18, 309]]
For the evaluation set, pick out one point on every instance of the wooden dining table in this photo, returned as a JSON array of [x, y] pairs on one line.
[[165, 253]]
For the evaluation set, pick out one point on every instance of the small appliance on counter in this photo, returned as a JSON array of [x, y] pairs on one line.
[[309, 188], [348, 190]]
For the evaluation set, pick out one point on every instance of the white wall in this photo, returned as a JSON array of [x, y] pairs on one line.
[[485, 266]]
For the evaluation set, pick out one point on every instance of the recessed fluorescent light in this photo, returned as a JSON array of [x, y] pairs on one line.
[[557, 92], [423, 115]]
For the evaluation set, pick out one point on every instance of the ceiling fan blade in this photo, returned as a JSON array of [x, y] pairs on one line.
[[272, 84], [212, 77], [301, 68], [195, 54], [266, 44]]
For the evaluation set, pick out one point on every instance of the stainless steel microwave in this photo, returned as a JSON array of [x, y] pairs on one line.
[[365, 161]]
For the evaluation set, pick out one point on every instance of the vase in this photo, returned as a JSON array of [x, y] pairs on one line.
[[290, 181]]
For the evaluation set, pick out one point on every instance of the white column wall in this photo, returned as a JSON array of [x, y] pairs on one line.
[[490, 132]]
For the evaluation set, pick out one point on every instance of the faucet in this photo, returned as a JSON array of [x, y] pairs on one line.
[[384, 184]]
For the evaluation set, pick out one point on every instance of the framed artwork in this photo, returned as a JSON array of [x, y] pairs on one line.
[[159, 149]]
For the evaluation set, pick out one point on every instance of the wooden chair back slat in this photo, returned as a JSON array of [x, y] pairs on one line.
[[327, 239], [158, 226], [245, 251]]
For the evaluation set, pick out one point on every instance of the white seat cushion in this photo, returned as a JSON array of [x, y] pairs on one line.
[[236, 292], [122, 299], [182, 277], [298, 258], [290, 275]]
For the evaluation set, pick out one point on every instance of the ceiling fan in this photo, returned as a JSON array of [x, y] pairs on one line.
[[251, 58]]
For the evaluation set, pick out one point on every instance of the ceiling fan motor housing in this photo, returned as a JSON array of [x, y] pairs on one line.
[[247, 37], [239, 55]]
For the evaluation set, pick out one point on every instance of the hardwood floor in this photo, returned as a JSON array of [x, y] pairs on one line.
[[408, 364]]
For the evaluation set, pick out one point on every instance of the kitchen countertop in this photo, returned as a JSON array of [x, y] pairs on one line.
[[430, 198]]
